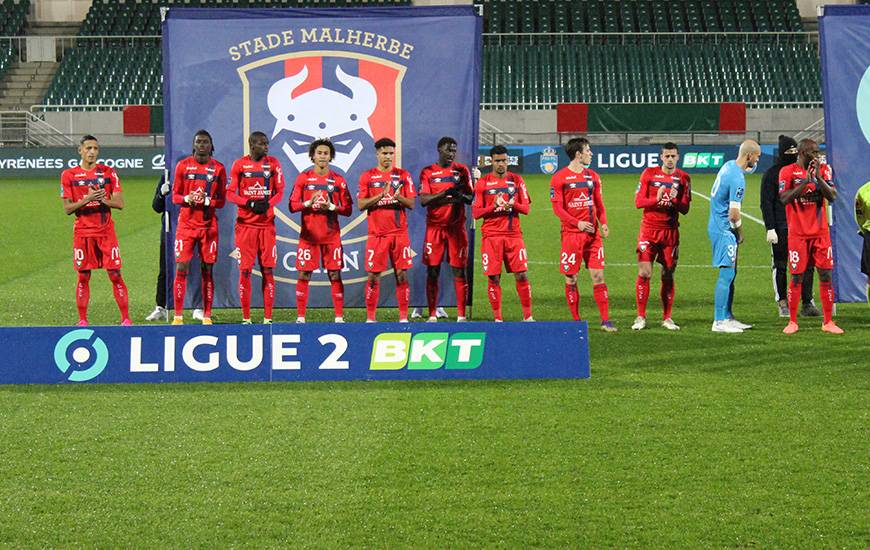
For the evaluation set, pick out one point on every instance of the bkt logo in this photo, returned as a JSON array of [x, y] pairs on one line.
[[703, 160], [428, 351], [86, 351]]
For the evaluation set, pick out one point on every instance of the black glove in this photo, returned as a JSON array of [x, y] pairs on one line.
[[257, 207], [451, 191]]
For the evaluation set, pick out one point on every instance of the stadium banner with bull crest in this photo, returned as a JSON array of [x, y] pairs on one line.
[[352, 75], [845, 54]]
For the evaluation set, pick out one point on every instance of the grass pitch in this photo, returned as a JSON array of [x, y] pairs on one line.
[[687, 439]]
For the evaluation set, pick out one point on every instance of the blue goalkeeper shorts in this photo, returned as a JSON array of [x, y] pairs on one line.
[[724, 249]]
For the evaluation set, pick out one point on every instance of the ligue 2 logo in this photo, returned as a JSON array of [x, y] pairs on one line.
[[84, 350]]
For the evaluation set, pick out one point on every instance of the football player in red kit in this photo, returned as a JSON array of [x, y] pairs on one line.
[[575, 192], [499, 198], [90, 191], [664, 192], [805, 188], [199, 186], [256, 186], [385, 192], [322, 196], [445, 190]]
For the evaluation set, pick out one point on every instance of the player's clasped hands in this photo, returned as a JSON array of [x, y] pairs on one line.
[[96, 194], [663, 197], [585, 226]]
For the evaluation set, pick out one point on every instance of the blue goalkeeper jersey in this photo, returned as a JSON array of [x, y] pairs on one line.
[[728, 187]]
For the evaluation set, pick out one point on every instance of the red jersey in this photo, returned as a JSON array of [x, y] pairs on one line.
[[577, 197], [807, 214], [499, 220], [387, 217], [678, 186], [435, 179], [320, 226], [210, 179], [94, 219], [256, 180]]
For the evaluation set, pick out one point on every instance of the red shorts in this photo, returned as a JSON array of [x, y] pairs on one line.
[[395, 248], [661, 245], [253, 243], [96, 252], [206, 240], [498, 249], [577, 247], [439, 238], [800, 249], [310, 255]]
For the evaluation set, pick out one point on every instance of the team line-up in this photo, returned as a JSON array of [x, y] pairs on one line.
[[256, 185]]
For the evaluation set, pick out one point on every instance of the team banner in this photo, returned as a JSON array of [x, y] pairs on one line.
[[352, 75], [845, 52], [310, 352]]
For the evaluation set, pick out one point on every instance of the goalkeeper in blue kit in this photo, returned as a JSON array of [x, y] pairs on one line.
[[725, 230]]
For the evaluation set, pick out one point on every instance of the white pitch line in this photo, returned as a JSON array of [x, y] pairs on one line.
[[742, 214]]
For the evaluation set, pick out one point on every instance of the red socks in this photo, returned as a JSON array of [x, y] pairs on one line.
[[301, 297], [524, 290], [642, 294], [207, 292], [460, 286], [573, 299], [119, 289], [268, 292], [432, 295], [338, 297], [178, 291], [667, 294], [827, 294], [373, 291], [403, 297], [494, 292], [83, 294], [600, 293], [794, 299], [245, 293]]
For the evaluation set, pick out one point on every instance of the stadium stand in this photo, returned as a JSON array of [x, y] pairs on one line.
[[542, 75], [132, 74], [13, 14], [531, 69], [628, 16]]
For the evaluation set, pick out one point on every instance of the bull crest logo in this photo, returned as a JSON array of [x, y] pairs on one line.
[[321, 112], [298, 97]]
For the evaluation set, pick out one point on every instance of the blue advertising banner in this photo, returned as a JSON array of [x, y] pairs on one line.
[[352, 75], [619, 159], [311, 352], [845, 51]]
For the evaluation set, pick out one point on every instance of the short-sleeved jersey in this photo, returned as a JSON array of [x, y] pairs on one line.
[[728, 187], [807, 214], [256, 180], [209, 178], [678, 187], [576, 197], [862, 207], [320, 226], [486, 192], [388, 215], [94, 219], [435, 179]]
